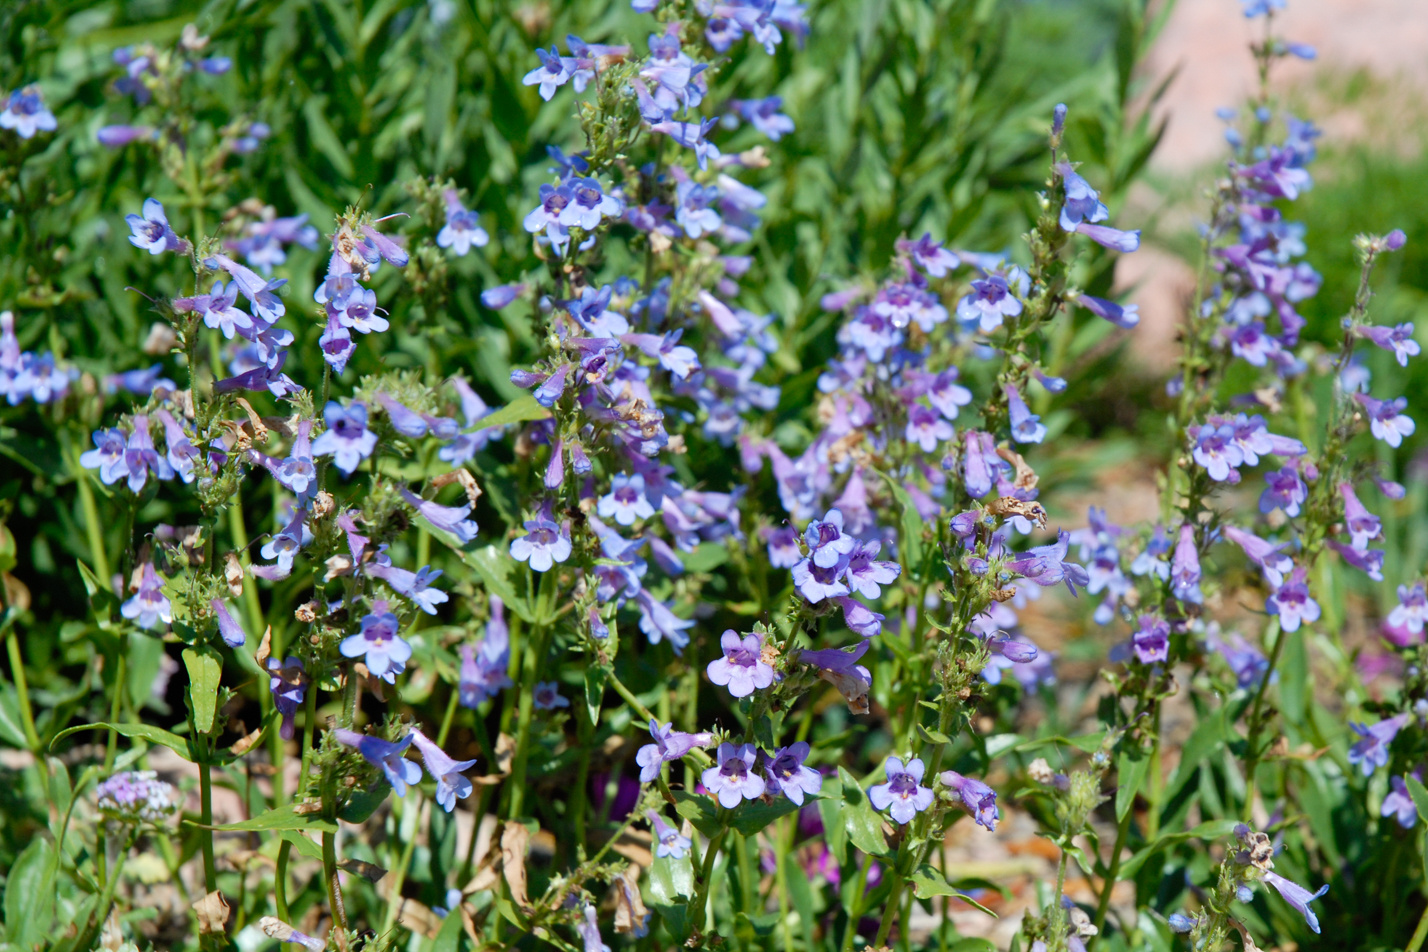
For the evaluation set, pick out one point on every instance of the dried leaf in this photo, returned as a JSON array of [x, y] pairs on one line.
[[853, 688], [630, 911], [505, 751], [16, 592], [260, 430], [462, 476], [1012, 506], [280, 930], [233, 574], [368, 871], [212, 911], [265, 648], [245, 743], [1025, 477], [514, 839]]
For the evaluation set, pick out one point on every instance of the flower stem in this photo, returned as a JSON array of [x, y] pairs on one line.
[[701, 890]]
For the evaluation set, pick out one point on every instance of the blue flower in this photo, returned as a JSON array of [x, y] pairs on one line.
[[1026, 427], [228, 628], [1046, 565], [660, 624], [979, 799], [1399, 804], [990, 301], [669, 745], [25, 112], [1371, 750], [903, 795], [346, 439], [1292, 603], [553, 72], [545, 543], [1387, 420], [287, 682], [733, 780], [786, 773], [383, 650], [463, 228], [152, 231], [452, 519], [483, 668], [668, 841], [1083, 203], [149, 608], [1297, 896], [741, 667], [450, 784], [385, 755]]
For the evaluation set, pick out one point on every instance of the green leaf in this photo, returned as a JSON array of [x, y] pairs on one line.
[[495, 566], [1212, 830], [361, 806], [154, 735], [927, 882], [12, 728], [672, 880], [706, 557], [278, 818], [595, 676], [864, 825], [933, 737], [1419, 793], [973, 944], [519, 410], [205, 674], [302, 844], [753, 816], [912, 524], [30, 894], [448, 938], [697, 810], [1130, 774]]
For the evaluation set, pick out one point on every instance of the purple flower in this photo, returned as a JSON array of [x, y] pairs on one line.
[[816, 584], [990, 301], [626, 501], [782, 543], [265, 303], [764, 115], [669, 745], [1185, 567], [1151, 641], [946, 395], [865, 575], [742, 668], [553, 72], [668, 841], [660, 624], [545, 217], [1083, 203], [25, 112], [1292, 603], [1046, 565], [929, 255], [589, 929], [903, 792], [733, 779], [827, 544], [287, 681], [1398, 340], [1026, 427], [1369, 561], [1297, 896], [1411, 612], [414, 585], [384, 651], [1112, 238], [107, 456], [841, 669], [229, 629], [787, 775], [450, 784], [463, 227], [346, 439], [453, 519], [1399, 804], [926, 428], [219, 312], [545, 542], [1387, 420], [149, 608], [588, 205], [546, 696], [1266, 555], [979, 799], [1363, 525], [860, 619], [386, 756], [483, 668], [283, 547], [1216, 450], [1371, 750], [1126, 316], [1286, 491]]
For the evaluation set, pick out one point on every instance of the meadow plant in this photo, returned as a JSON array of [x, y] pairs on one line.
[[673, 638]]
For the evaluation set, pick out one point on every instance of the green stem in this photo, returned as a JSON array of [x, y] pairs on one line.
[[644, 712], [535, 654], [890, 909], [855, 912], [1103, 905], [1419, 934], [706, 874], [22, 689], [309, 722], [113, 746], [280, 881], [394, 898], [1252, 751], [106, 899], [205, 817], [92, 528]]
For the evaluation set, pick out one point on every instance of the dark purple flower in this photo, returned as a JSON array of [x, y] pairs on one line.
[[1286, 491], [546, 696], [287, 681], [733, 779], [1046, 565], [25, 112], [1266, 555], [228, 628], [787, 775]]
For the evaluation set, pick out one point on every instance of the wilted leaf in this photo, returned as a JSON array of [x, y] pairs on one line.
[[212, 911], [514, 840]]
